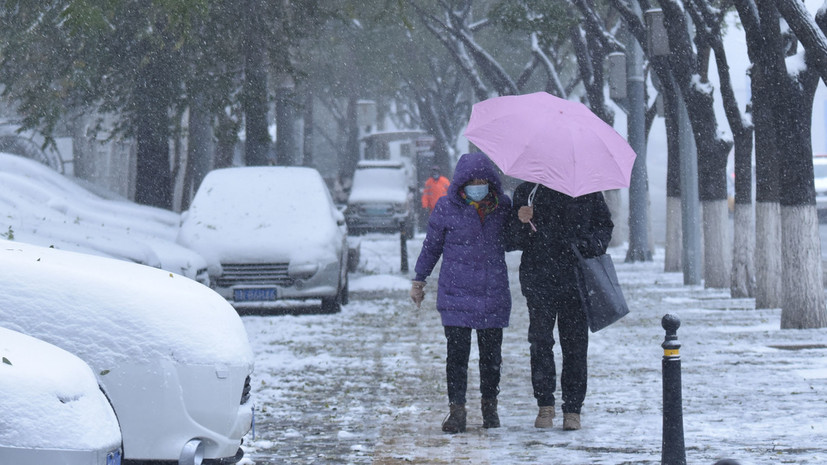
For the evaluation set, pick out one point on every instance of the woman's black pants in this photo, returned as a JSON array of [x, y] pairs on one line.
[[490, 343]]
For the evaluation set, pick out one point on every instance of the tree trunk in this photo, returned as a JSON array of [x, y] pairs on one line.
[[712, 148], [226, 139], [768, 267], [803, 299], [307, 144], [743, 253], [743, 271], [615, 202], [350, 156], [673, 261], [254, 93], [199, 160], [674, 235], [716, 244], [285, 127], [153, 179]]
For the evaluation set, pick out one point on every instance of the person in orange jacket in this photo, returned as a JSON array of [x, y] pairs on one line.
[[435, 187]]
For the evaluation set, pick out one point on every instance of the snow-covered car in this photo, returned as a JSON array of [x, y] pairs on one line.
[[820, 181], [51, 408], [171, 355], [41, 206], [380, 198], [269, 233]]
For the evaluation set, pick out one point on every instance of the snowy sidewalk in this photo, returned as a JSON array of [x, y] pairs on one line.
[[367, 385]]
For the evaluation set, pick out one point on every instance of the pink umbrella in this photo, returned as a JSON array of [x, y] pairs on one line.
[[558, 143]]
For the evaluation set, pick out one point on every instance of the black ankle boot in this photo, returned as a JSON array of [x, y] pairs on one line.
[[490, 419], [455, 422]]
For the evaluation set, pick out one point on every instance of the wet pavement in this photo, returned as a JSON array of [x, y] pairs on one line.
[[366, 386]]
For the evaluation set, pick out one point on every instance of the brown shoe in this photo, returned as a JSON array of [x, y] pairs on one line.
[[545, 418], [490, 419], [571, 421], [455, 421]]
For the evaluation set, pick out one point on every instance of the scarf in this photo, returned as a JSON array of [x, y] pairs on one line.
[[485, 206]]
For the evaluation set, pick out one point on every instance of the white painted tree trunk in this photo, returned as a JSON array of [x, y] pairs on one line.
[[768, 266], [674, 235], [803, 305], [717, 248], [614, 200], [743, 253]]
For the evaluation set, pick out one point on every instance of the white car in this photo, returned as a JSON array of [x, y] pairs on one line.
[[41, 206], [269, 233], [171, 355], [51, 408], [381, 198]]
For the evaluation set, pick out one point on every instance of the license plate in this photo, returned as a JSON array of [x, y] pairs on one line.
[[113, 458], [255, 295]]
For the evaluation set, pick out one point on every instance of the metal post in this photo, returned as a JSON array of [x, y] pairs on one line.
[[690, 206], [639, 185], [403, 247], [673, 451]]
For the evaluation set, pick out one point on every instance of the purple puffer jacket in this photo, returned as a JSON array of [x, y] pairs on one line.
[[473, 279]]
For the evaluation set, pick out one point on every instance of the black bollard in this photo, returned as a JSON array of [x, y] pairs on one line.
[[673, 451], [403, 247]]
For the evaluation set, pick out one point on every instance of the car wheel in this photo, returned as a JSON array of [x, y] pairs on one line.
[[331, 304]]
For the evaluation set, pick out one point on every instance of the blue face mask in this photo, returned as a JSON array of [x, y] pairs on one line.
[[476, 192]]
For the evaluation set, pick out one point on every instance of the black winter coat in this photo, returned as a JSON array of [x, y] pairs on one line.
[[547, 258]]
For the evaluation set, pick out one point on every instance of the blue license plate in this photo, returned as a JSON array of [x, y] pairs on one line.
[[113, 458], [255, 295]]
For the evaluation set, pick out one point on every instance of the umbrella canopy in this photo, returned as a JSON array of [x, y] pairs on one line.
[[558, 143]]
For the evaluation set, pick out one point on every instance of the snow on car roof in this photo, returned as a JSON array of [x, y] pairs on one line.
[[43, 207], [50, 398], [111, 311], [246, 212], [379, 164], [378, 184]]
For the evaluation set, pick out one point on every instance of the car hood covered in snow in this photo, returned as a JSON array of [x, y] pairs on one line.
[[110, 312], [49, 399]]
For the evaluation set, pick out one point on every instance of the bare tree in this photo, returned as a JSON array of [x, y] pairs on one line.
[[707, 21]]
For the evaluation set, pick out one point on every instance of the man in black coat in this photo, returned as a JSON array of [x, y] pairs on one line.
[[545, 224]]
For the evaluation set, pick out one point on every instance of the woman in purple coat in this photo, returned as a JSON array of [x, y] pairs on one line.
[[467, 228]]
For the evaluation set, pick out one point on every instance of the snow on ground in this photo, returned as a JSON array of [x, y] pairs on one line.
[[367, 385]]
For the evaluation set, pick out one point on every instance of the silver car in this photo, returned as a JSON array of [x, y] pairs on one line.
[[269, 233]]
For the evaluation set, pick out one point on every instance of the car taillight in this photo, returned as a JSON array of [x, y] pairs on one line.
[[245, 393]]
